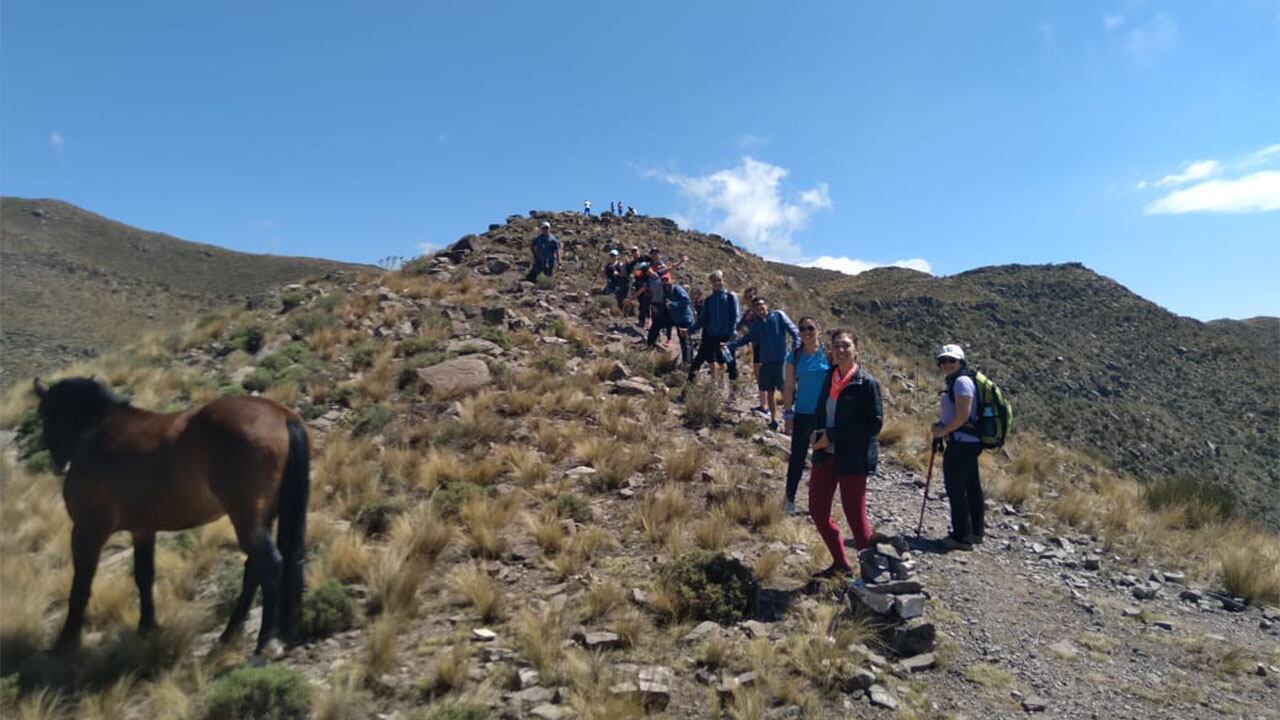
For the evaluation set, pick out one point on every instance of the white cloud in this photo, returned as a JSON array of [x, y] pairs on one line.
[[1152, 38], [57, 142], [1142, 185], [852, 266], [1262, 157], [1111, 22], [747, 141], [1258, 192], [745, 203], [426, 248], [1198, 170]]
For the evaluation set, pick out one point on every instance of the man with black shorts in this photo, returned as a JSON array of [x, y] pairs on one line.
[[717, 320], [770, 329]]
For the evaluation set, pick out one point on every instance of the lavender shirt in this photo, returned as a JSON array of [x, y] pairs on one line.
[[964, 387]]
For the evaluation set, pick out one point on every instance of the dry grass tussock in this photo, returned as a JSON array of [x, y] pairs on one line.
[[394, 579], [661, 510], [478, 590], [380, 649], [378, 382], [486, 523], [582, 546], [523, 464], [685, 462], [449, 671], [345, 475], [539, 637]]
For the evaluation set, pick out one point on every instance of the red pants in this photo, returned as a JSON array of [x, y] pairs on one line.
[[853, 496]]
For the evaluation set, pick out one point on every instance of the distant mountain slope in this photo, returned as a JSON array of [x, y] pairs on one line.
[[73, 283], [1091, 364]]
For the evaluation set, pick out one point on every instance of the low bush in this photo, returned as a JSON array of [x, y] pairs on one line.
[[291, 300], [495, 335], [247, 338], [545, 282], [363, 354], [258, 380], [702, 404], [302, 324], [371, 419], [551, 363], [375, 518], [275, 692], [711, 586], [449, 499], [572, 505], [415, 345], [326, 609], [1203, 502]]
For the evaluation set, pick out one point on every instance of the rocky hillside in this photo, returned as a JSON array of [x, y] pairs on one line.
[[513, 513], [76, 284]]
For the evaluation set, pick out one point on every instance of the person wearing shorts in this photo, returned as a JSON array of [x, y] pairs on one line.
[[770, 328]]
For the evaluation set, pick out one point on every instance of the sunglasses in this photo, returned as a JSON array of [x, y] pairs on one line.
[[947, 361], [807, 328]]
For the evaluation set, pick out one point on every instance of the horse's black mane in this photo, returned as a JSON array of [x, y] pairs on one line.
[[84, 396], [71, 408]]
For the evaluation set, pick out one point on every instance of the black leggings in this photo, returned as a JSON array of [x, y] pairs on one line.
[[710, 349], [964, 490], [801, 433]]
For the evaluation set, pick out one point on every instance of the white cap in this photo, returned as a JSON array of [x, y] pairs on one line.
[[951, 351], [546, 224], [613, 252]]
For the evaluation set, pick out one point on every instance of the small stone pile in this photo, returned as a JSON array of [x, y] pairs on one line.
[[890, 592]]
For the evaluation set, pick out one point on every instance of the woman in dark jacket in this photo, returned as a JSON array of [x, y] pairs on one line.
[[849, 417]]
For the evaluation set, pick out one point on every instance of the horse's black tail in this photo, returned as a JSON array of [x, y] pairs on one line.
[[292, 534]]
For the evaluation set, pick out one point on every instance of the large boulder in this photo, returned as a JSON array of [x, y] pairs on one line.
[[455, 376]]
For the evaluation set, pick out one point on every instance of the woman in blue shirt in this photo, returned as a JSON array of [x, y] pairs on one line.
[[806, 369]]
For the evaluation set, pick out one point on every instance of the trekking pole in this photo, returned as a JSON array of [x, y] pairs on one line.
[[928, 477]]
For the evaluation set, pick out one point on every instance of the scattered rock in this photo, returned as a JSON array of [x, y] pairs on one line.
[[483, 635], [880, 696], [454, 376], [1033, 703], [908, 606], [919, 663], [631, 386], [702, 630]]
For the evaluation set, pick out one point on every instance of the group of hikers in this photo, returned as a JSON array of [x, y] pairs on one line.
[[830, 405], [615, 208]]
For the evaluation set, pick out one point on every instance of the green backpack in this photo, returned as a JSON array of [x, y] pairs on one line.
[[995, 414]]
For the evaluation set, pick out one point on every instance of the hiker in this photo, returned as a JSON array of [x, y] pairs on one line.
[[716, 320], [848, 419], [748, 297], [695, 298], [615, 274], [770, 330], [657, 292], [957, 425], [676, 311], [806, 369], [546, 253], [586, 208]]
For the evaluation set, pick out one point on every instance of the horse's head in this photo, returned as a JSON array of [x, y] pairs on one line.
[[68, 409]]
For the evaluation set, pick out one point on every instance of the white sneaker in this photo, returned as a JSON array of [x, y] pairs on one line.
[[789, 507]]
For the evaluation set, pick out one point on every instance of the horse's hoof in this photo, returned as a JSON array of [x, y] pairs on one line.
[[273, 650]]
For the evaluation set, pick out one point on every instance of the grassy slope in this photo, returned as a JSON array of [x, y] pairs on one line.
[[76, 283]]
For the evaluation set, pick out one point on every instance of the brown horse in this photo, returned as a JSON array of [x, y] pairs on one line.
[[146, 472]]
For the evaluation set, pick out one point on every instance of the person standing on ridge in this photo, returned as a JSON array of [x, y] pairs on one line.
[[675, 310], [586, 208], [718, 318], [770, 329], [806, 369], [546, 253], [845, 450], [653, 283], [614, 273], [957, 425]]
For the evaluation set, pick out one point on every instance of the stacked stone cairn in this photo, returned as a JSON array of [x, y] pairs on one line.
[[891, 593]]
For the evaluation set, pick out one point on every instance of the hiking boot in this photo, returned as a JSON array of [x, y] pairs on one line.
[[951, 544], [789, 507], [760, 409], [773, 425], [833, 570], [977, 539]]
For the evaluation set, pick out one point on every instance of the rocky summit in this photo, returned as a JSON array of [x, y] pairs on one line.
[[519, 511]]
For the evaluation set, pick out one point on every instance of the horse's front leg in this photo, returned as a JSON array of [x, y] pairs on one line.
[[86, 546], [144, 574]]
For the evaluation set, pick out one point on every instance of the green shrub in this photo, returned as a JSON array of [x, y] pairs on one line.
[[545, 282], [450, 498], [748, 428], [702, 405], [552, 362], [303, 324], [292, 299], [370, 419], [247, 338], [258, 380], [572, 505], [415, 345], [275, 692], [452, 711], [362, 354], [375, 518], [326, 609], [558, 328], [711, 586], [418, 266], [495, 335]]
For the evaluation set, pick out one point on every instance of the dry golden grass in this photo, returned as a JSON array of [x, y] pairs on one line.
[[602, 598], [594, 449], [394, 580], [343, 699], [767, 565], [478, 590], [345, 475], [713, 532], [583, 545], [420, 534], [43, 705], [753, 510], [523, 464], [547, 529], [685, 462], [286, 393], [448, 672], [112, 598], [661, 509], [633, 627], [591, 678], [1249, 562], [479, 420], [568, 401], [486, 523], [380, 649], [517, 403], [347, 558], [377, 383], [895, 432], [205, 331], [539, 637]]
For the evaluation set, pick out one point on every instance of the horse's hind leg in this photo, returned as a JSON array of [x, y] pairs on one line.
[[248, 590], [267, 564], [144, 574]]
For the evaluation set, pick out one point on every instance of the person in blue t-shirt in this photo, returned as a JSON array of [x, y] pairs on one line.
[[806, 369], [546, 253], [770, 328]]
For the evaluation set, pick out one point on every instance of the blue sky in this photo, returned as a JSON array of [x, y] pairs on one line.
[[1140, 138]]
